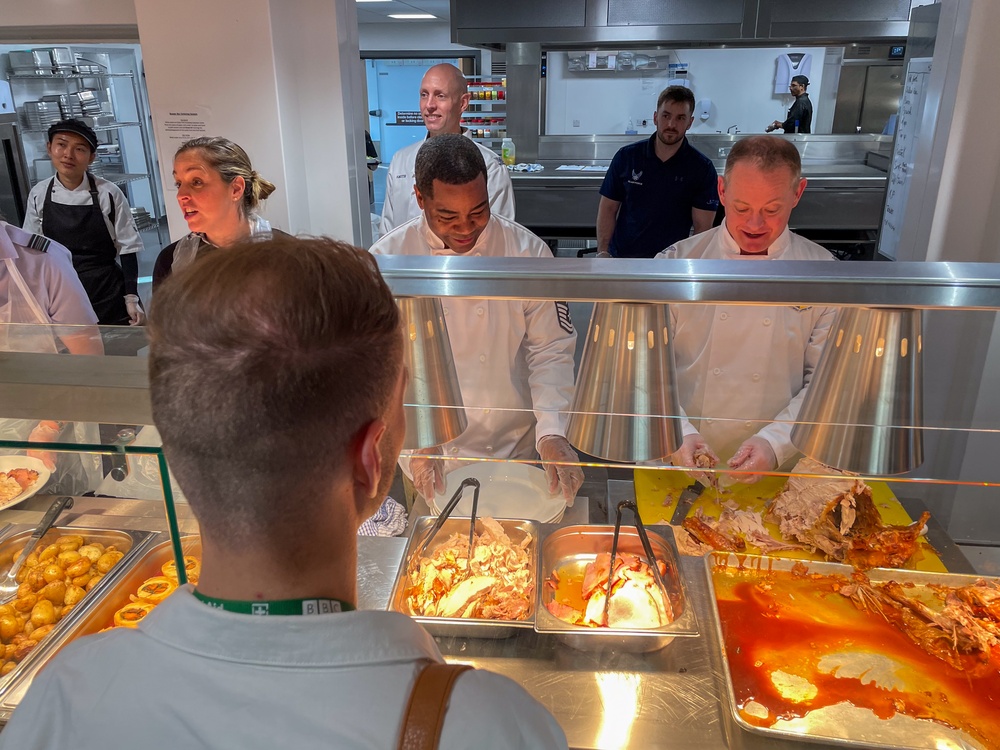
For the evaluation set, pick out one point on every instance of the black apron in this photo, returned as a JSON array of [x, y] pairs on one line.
[[82, 229]]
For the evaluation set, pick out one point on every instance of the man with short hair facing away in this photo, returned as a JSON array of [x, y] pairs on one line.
[[743, 370], [658, 190], [800, 114], [444, 96], [282, 419], [514, 358]]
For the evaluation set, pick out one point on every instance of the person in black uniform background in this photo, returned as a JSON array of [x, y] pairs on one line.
[[92, 218], [800, 114]]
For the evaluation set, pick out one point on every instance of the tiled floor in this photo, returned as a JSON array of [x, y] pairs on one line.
[[986, 560]]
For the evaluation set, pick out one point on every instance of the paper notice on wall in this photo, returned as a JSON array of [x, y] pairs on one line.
[[176, 125]]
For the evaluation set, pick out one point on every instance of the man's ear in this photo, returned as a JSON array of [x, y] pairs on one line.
[[367, 457], [722, 190], [801, 189], [420, 198]]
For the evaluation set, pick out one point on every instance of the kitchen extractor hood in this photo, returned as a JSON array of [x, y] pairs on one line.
[[563, 24]]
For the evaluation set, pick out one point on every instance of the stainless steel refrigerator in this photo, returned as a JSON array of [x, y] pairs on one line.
[[13, 172]]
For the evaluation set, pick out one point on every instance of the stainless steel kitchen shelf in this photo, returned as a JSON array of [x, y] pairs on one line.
[[852, 283]]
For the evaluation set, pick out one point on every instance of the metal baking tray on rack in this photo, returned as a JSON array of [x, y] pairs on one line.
[[131, 542], [802, 661], [463, 627]]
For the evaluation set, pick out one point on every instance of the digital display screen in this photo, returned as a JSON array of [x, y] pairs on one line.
[[897, 52]]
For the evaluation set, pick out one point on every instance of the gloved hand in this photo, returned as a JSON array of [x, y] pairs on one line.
[[561, 464], [136, 315], [46, 431], [694, 445], [754, 455], [427, 473]]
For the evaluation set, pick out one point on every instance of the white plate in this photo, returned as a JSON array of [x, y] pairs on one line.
[[507, 491], [25, 462]]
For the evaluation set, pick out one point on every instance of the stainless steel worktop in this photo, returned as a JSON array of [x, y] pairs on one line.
[[672, 698]]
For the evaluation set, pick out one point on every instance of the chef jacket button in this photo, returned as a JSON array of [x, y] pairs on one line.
[[482, 357], [745, 423], [479, 311], [724, 316], [486, 411], [717, 371], [454, 450], [767, 321], [489, 449], [445, 310], [756, 377], [710, 421]]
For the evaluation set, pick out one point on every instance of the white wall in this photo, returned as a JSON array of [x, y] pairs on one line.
[[739, 82], [415, 35]]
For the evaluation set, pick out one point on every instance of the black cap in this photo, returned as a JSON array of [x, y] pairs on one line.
[[801, 80], [79, 128]]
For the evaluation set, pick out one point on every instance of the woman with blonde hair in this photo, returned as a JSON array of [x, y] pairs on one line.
[[219, 192]]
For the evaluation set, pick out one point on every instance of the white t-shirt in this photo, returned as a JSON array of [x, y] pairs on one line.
[[743, 370], [123, 231], [514, 358], [401, 202], [191, 676]]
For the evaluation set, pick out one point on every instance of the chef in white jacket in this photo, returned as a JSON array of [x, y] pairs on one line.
[[444, 96], [743, 370], [514, 357]]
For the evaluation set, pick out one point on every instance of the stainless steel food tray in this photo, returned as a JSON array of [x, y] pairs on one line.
[[562, 545], [843, 725], [131, 542], [461, 627]]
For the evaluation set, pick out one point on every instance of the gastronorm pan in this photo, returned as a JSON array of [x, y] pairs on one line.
[[131, 542], [842, 724], [563, 546], [465, 627]]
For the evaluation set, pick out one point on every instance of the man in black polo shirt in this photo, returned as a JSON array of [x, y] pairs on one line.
[[800, 114], [656, 190]]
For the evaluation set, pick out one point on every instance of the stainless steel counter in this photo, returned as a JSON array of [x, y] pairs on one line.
[[672, 698], [837, 196]]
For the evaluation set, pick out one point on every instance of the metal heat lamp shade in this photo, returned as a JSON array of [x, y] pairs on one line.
[[864, 408], [433, 403], [625, 407]]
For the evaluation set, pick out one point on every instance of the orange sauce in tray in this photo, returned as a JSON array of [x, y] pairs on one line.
[[795, 645]]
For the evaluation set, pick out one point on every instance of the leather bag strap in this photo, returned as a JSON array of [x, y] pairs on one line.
[[424, 717]]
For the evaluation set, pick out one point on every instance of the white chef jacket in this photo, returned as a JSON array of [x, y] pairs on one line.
[[401, 202], [194, 676], [123, 231], [49, 276], [743, 370], [512, 356]]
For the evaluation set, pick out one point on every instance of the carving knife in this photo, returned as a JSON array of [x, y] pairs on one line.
[[685, 501]]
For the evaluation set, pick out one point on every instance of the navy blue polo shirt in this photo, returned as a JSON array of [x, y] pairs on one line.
[[657, 196]]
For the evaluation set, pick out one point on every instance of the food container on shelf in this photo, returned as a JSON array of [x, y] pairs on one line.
[[130, 542], [463, 627], [573, 547]]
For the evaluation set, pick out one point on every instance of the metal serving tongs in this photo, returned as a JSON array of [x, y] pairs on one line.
[[646, 547], [8, 588], [446, 512]]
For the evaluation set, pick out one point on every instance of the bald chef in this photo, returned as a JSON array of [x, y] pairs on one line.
[[514, 357], [743, 370], [444, 96]]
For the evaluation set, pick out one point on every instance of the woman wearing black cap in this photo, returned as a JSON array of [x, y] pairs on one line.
[[92, 218]]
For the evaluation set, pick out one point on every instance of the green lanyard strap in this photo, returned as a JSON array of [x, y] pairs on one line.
[[278, 607]]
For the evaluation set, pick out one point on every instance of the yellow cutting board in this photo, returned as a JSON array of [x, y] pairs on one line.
[[656, 493]]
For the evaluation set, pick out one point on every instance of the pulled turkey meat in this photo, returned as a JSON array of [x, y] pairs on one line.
[[834, 514]]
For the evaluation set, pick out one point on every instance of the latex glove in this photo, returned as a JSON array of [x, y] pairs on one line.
[[755, 455], [685, 456], [46, 431], [427, 473], [561, 465], [603, 254], [136, 315]]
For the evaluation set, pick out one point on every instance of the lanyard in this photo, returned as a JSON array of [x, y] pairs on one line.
[[278, 607]]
